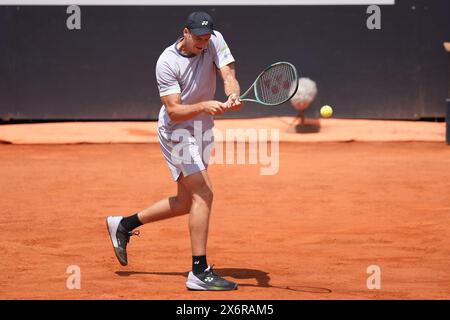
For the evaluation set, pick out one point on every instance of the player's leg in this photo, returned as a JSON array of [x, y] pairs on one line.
[[120, 229], [202, 276], [200, 189], [168, 207]]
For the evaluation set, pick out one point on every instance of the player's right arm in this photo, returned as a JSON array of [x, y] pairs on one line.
[[170, 94], [182, 112]]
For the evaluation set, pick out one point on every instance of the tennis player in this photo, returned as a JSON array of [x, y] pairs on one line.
[[186, 79]]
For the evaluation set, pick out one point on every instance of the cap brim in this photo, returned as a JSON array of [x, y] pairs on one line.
[[201, 31]]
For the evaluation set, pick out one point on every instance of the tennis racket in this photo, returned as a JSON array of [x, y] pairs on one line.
[[275, 85]]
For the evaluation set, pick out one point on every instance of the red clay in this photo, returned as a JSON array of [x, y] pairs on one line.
[[309, 232]]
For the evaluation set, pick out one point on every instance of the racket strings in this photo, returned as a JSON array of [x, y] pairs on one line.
[[277, 84]]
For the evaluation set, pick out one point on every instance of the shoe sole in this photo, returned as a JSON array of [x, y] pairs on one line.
[[198, 285], [112, 242], [195, 287]]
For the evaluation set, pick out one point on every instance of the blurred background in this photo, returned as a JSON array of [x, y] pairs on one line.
[[106, 70]]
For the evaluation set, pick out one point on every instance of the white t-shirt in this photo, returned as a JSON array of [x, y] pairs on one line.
[[192, 76]]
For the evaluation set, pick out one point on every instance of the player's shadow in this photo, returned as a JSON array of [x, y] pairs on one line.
[[262, 278]]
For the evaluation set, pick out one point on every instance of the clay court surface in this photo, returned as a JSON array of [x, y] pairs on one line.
[[309, 232]]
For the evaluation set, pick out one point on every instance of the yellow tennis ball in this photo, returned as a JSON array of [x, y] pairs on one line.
[[326, 111]]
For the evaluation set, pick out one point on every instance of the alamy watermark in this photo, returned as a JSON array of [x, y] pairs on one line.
[[374, 20], [74, 279], [374, 280], [73, 22], [191, 147]]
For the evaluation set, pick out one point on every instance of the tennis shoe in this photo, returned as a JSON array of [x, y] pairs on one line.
[[119, 238], [208, 280]]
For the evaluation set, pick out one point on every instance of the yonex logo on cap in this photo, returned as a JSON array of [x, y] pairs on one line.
[[204, 23]]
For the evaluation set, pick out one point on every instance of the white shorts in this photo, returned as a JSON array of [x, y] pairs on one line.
[[184, 152]]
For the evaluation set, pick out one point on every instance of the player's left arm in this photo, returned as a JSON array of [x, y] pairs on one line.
[[231, 86]]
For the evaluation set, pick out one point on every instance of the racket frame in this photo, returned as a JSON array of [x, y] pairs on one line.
[[242, 97]]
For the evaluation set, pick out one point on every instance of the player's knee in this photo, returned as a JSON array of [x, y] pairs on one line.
[[180, 205], [184, 205], [203, 194]]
